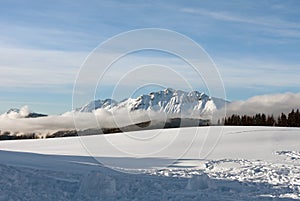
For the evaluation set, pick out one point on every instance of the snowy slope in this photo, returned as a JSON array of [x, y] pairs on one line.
[[169, 101], [247, 163]]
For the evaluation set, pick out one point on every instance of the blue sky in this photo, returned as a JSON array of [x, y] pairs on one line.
[[255, 44]]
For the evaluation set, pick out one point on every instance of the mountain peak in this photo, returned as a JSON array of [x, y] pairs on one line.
[[169, 90], [13, 110], [24, 112]]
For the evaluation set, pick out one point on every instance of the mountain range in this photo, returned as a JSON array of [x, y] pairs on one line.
[[170, 101]]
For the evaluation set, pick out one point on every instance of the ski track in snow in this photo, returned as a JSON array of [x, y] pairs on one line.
[[229, 178]]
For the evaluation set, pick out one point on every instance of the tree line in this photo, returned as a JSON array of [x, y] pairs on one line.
[[292, 119]]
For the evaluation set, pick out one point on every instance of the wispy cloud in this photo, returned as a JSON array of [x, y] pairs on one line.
[[38, 68], [249, 72], [267, 23]]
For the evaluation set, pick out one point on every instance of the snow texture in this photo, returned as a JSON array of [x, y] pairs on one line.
[[249, 163]]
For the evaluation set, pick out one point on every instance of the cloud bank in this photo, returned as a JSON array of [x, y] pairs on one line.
[[17, 123], [268, 104]]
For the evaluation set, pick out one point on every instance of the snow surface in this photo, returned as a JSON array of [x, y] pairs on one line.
[[241, 163]]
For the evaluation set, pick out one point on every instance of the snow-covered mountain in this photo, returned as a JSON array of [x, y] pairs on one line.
[[22, 113], [170, 101]]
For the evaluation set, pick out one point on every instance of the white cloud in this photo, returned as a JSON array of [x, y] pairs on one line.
[[23, 112], [268, 104]]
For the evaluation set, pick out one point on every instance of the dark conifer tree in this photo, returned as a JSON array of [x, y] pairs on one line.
[[291, 119]]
